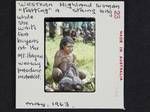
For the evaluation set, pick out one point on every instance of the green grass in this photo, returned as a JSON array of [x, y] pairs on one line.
[[85, 54]]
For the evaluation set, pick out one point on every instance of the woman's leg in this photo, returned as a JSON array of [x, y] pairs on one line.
[[57, 74]]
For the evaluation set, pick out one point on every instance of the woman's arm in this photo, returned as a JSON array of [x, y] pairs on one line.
[[57, 59]]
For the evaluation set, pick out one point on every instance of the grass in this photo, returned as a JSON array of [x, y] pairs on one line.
[[85, 54]]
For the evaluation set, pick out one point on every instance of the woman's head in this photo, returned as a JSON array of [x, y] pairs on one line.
[[66, 44]]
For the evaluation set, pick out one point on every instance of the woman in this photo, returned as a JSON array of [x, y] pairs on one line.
[[63, 57]]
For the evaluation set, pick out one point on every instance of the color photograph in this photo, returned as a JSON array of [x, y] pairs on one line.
[[69, 55]]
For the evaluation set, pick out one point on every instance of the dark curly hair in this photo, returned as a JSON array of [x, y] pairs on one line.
[[65, 40]]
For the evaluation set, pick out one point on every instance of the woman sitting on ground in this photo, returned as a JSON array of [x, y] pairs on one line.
[[64, 55]]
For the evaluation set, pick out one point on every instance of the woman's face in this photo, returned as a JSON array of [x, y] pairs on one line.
[[68, 48]]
